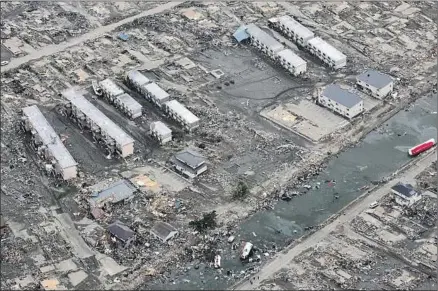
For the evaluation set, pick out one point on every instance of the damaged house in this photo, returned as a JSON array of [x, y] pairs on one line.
[[122, 233], [164, 231], [189, 163]]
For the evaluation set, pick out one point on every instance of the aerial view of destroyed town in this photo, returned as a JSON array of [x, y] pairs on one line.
[[219, 145]]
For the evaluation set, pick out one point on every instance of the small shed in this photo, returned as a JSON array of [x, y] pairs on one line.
[[241, 34], [163, 231], [123, 36]]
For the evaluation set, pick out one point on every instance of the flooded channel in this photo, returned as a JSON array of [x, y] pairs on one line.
[[382, 152]]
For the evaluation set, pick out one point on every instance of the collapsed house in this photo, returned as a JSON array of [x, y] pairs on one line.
[[189, 163], [86, 115], [113, 193], [48, 144], [122, 233], [181, 114], [341, 101], [121, 100], [163, 231], [161, 132], [375, 83]]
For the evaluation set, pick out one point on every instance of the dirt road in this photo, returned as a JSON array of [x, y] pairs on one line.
[[53, 49], [350, 211]]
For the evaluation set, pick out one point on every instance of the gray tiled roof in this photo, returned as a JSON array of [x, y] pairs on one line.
[[374, 78], [344, 97]]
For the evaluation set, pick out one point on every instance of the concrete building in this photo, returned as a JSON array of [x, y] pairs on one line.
[[341, 101], [189, 163], [123, 101], [136, 79], [48, 144], [327, 53], [156, 94], [161, 132], [181, 114], [263, 41], [375, 83], [86, 115], [292, 62], [293, 29], [121, 232], [405, 194]]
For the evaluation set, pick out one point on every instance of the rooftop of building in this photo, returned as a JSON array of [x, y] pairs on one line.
[[374, 78], [264, 37], [332, 52], [292, 57], [342, 96]]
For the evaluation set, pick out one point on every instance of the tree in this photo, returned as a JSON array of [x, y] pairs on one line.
[[207, 221], [241, 191]]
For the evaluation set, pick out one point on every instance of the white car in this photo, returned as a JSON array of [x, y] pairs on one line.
[[4, 63], [374, 205]]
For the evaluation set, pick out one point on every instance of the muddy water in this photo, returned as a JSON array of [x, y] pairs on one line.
[[382, 152]]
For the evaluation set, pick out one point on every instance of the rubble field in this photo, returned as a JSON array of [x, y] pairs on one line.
[[55, 238]]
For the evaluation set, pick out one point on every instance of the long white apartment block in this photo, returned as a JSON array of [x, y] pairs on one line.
[[294, 30], [156, 94], [263, 41], [123, 101], [48, 143], [181, 114], [102, 128], [292, 62], [161, 132], [137, 81], [327, 53]]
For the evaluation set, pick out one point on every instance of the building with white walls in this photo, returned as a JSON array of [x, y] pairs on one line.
[[263, 41], [181, 114], [341, 101], [292, 62], [375, 83], [123, 101], [327, 53], [161, 132], [293, 29], [48, 144], [156, 94]]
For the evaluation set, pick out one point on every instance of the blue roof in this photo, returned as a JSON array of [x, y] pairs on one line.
[[241, 34], [123, 36]]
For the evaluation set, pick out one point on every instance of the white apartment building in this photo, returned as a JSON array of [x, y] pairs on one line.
[[156, 94], [181, 114], [263, 41], [375, 83], [161, 132], [341, 101], [292, 62], [294, 30], [327, 53]]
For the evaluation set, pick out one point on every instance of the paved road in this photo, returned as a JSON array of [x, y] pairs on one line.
[[53, 49], [283, 259]]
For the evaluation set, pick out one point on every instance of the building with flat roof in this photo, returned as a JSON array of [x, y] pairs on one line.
[[294, 30], [161, 132], [110, 89], [292, 62], [181, 114], [102, 128], [263, 41], [189, 162], [327, 53], [375, 83], [156, 94], [48, 143], [341, 101], [123, 101]]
